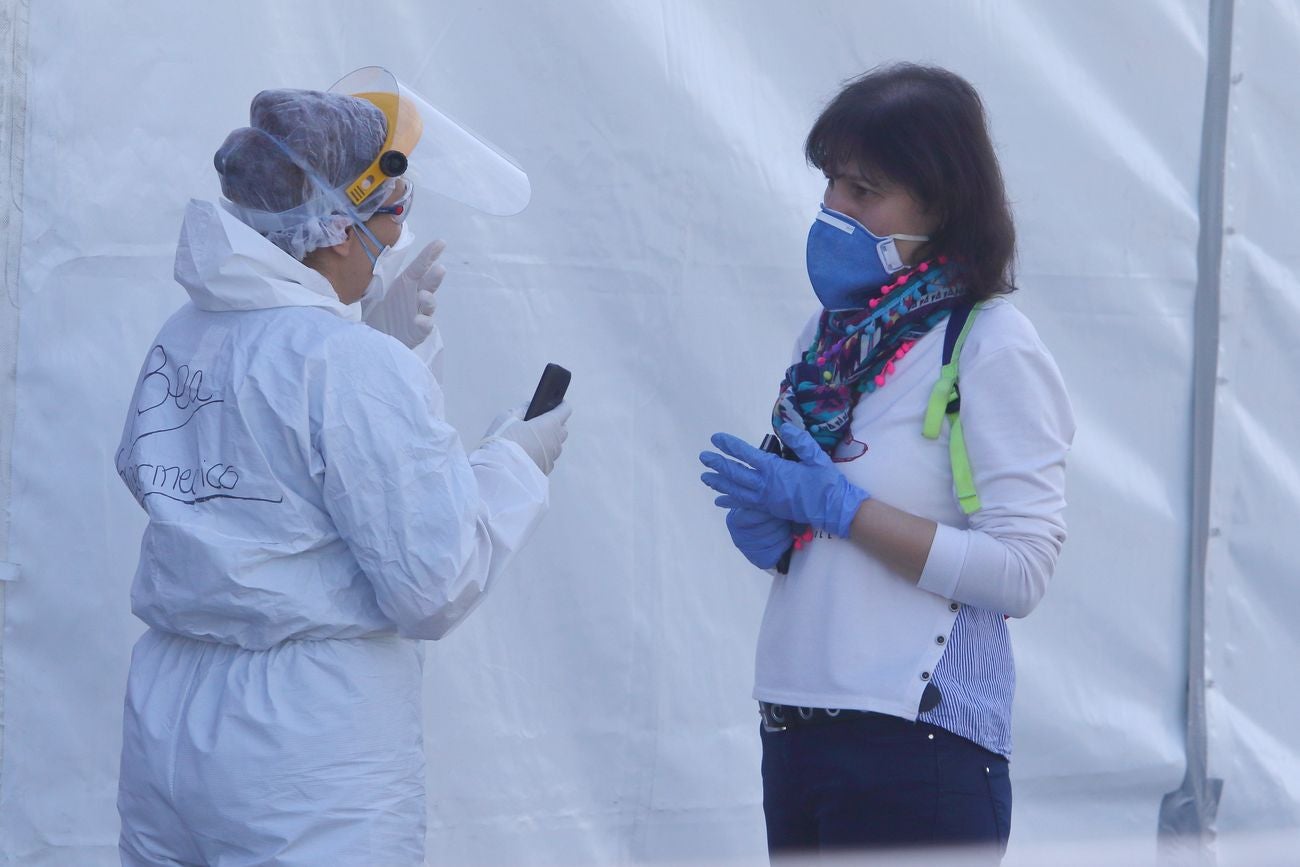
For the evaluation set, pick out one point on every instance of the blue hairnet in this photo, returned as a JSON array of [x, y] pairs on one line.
[[284, 174]]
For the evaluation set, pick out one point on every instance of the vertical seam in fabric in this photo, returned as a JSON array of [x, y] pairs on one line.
[[13, 111]]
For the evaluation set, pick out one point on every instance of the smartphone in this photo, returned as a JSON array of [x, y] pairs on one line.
[[550, 391], [772, 445]]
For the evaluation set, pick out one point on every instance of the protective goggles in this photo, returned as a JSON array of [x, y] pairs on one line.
[[400, 209]]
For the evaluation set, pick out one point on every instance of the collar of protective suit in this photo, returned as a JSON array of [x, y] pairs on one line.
[[225, 265]]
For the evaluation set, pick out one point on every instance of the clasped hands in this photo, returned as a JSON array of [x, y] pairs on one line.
[[768, 496]]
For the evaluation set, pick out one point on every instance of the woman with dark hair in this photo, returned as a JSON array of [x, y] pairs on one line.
[[899, 544]]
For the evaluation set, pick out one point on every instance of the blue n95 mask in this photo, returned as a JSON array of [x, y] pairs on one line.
[[846, 262]]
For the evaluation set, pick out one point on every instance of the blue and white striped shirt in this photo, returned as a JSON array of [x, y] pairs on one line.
[[976, 677]]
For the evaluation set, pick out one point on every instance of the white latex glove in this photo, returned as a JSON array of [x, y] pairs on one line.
[[542, 437], [406, 310]]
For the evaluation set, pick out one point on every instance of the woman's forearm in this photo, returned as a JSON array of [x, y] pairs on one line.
[[902, 540]]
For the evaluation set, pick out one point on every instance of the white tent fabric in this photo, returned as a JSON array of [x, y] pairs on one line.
[[596, 709]]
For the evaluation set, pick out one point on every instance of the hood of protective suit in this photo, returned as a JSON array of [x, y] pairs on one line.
[[225, 265]]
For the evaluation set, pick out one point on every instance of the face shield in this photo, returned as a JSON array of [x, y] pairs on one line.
[[432, 151], [311, 164]]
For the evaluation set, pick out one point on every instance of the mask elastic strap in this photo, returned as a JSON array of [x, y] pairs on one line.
[[910, 237], [373, 257]]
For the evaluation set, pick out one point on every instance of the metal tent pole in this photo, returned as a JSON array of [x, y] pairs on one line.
[[1187, 814]]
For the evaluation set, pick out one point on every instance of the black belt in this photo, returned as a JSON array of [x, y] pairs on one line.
[[779, 717]]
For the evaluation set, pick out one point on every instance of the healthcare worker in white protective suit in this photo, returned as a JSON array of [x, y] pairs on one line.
[[311, 514]]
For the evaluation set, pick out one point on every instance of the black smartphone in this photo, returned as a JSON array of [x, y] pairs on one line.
[[550, 391], [772, 445]]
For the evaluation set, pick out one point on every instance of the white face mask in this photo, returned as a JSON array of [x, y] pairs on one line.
[[388, 264]]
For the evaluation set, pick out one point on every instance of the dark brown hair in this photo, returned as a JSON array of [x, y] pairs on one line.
[[924, 128]]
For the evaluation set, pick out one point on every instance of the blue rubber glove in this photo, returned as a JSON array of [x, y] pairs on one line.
[[761, 537], [810, 491]]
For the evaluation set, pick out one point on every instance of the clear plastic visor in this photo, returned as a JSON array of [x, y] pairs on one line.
[[442, 155]]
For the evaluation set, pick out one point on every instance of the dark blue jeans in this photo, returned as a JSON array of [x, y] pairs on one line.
[[882, 782]]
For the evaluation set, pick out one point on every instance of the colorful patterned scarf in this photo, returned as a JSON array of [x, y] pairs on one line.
[[854, 351]]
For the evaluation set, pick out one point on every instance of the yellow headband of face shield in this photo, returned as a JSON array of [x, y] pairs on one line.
[[404, 130]]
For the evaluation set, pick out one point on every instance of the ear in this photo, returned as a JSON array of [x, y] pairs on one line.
[[346, 247], [933, 217]]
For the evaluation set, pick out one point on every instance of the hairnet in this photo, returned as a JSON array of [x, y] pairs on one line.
[[283, 174]]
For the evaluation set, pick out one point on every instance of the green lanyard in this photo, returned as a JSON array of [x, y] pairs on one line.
[[945, 400]]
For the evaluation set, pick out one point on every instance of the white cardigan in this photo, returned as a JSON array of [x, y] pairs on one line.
[[843, 630]]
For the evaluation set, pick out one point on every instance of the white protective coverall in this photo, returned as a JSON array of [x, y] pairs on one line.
[[310, 516]]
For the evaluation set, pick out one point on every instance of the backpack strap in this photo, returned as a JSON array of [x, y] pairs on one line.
[[945, 400]]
